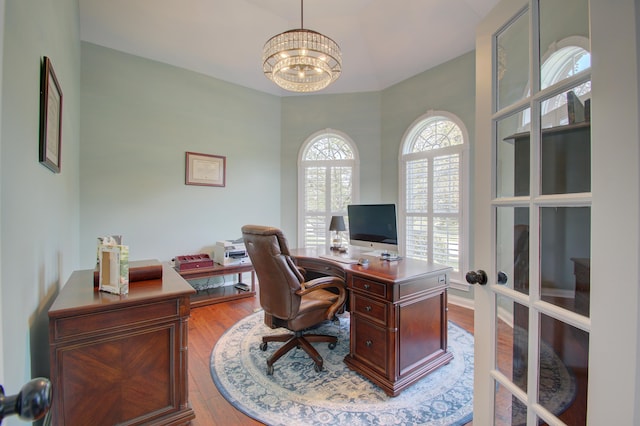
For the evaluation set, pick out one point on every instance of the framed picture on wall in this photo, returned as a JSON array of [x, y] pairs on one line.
[[205, 169], [50, 118]]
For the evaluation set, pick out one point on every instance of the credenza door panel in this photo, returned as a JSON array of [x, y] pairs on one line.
[[124, 370]]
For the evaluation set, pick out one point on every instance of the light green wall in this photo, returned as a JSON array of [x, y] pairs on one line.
[[448, 87], [139, 117], [40, 209], [2, 6], [356, 115], [376, 121]]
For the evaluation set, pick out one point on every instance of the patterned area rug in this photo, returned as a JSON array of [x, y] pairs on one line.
[[296, 395]]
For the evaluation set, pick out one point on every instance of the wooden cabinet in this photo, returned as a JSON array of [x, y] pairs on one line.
[[120, 359]]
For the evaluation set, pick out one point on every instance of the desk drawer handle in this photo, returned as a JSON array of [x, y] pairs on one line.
[[367, 286], [367, 308], [368, 343]]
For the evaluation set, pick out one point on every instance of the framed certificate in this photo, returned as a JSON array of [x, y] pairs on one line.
[[205, 169], [50, 118]]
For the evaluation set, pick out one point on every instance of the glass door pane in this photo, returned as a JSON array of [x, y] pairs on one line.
[[512, 246], [512, 155], [566, 141], [564, 40], [512, 359], [563, 370], [512, 61], [565, 253]]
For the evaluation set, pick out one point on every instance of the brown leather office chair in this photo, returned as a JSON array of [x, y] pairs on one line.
[[287, 299]]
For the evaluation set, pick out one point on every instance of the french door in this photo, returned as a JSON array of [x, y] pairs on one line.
[[551, 236]]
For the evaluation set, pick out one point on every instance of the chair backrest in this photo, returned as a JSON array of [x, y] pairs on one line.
[[278, 276]]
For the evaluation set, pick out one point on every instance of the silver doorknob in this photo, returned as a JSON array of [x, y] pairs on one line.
[[476, 277]]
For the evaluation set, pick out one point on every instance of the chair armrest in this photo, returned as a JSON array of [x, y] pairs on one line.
[[326, 283], [302, 270]]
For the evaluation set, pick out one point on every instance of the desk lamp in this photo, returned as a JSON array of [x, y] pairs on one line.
[[337, 226]]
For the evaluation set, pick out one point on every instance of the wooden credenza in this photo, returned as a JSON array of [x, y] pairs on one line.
[[120, 359], [398, 315], [223, 293]]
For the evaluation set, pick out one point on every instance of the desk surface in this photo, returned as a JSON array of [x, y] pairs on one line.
[[80, 295], [395, 271]]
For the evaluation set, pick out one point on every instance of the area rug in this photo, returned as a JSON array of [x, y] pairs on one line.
[[297, 395]]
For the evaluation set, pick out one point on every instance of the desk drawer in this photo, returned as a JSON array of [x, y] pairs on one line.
[[324, 268], [373, 310], [117, 320], [369, 287], [371, 345]]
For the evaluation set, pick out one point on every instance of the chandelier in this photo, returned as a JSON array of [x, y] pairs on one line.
[[301, 60]]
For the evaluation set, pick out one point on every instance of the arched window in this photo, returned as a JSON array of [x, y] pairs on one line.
[[328, 181], [433, 205]]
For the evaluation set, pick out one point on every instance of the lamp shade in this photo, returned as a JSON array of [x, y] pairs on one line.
[[337, 224]]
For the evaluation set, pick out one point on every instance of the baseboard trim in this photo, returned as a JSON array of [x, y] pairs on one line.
[[463, 302]]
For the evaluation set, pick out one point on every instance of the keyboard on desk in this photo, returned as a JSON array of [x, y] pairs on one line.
[[338, 258]]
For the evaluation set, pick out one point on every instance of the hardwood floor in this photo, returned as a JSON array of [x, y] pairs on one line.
[[206, 325]]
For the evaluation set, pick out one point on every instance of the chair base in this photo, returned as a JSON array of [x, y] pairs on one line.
[[297, 340]]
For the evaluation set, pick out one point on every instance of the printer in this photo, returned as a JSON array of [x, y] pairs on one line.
[[230, 252]]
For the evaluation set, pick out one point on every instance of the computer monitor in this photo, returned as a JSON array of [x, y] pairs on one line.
[[373, 226]]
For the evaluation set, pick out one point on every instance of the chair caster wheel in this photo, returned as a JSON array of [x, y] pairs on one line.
[[317, 367], [269, 370], [332, 345], [263, 346]]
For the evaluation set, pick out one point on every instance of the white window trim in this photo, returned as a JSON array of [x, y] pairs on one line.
[[301, 154], [465, 239]]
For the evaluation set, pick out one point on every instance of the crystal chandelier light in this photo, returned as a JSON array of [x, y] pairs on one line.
[[301, 60]]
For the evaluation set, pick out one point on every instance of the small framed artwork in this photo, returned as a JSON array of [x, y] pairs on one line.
[[205, 169], [50, 118]]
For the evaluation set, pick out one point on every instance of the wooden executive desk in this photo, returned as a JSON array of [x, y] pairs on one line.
[[120, 359], [398, 316]]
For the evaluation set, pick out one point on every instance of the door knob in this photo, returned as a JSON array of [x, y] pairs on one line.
[[477, 277], [502, 277]]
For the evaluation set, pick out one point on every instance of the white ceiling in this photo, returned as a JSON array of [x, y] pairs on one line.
[[383, 41]]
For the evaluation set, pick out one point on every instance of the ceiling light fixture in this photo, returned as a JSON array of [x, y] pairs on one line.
[[301, 60]]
